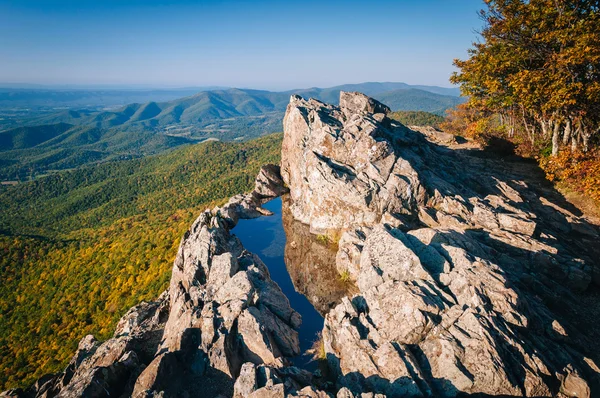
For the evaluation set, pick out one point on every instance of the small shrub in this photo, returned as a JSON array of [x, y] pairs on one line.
[[317, 350], [345, 276], [323, 239], [546, 151], [417, 118]]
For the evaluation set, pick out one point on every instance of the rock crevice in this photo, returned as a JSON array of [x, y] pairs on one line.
[[467, 278], [458, 263]]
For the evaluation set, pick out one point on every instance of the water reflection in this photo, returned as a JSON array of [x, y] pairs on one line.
[[303, 267], [310, 261]]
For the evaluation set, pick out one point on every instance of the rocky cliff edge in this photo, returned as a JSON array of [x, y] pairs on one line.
[[468, 275], [469, 280]]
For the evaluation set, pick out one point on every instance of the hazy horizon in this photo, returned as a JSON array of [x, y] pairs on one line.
[[142, 87], [261, 45]]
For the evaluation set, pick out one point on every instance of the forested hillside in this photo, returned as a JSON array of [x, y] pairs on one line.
[[80, 247], [27, 137], [417, 118], [24, 157], [44, 142]]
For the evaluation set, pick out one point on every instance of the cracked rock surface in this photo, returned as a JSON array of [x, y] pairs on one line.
[[466, 274], [469, 277], [221, 315]]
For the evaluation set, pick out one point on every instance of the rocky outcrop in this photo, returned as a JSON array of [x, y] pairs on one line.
[[109, 368], [341, 169], [439, 272], [460, 265], [221, 310]]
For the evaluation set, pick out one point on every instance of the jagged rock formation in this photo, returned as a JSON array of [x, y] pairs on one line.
[[459, 265], [221, 310], [467, 280]]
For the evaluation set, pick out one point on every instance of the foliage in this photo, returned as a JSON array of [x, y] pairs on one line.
[[45, 152], [317, 350], [488, 130], [464, 121], [345, 276], [538, 67], [26, 137], [323, 239], [578, 169], [79, 248], [417, 118]]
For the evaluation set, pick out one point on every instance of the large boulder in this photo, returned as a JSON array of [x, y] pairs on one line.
[[340, 168], [459, 264]]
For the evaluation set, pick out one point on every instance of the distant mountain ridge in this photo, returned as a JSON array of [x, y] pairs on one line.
[[40, 98], [221, 104], [70, 138], [49, 97], [27, 137], [374, 88]]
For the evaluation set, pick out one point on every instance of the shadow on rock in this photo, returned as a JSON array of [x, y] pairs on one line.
[[475, 275]]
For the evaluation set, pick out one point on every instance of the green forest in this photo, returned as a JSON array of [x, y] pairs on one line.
[[417, 118], [80, 247]]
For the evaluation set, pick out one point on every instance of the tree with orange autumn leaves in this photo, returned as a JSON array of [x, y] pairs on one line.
[[536, 72]]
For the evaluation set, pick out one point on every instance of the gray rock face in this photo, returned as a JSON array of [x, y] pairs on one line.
[[459, 262], [269, 183], [112, 367], [258, 381], [459, 278], [221, 310], [328, 150]]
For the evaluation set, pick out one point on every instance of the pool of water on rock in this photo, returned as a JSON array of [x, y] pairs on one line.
[[303, 268]]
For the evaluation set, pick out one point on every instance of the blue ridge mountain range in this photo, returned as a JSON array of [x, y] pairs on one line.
[[44, 130]]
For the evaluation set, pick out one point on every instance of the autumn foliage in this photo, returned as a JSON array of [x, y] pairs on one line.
[[538, 69], [533, 81], [579, 170], [80, 247]]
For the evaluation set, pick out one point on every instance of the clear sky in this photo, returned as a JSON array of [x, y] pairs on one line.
[[260, 44]]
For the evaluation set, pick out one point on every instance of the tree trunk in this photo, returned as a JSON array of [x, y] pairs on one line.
[[555, 138], [567, 132], [586, 134], [575, 136], [511, 121], [544, 125], [530, 129]]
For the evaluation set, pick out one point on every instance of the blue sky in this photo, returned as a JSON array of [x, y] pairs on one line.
[[258, 44]]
